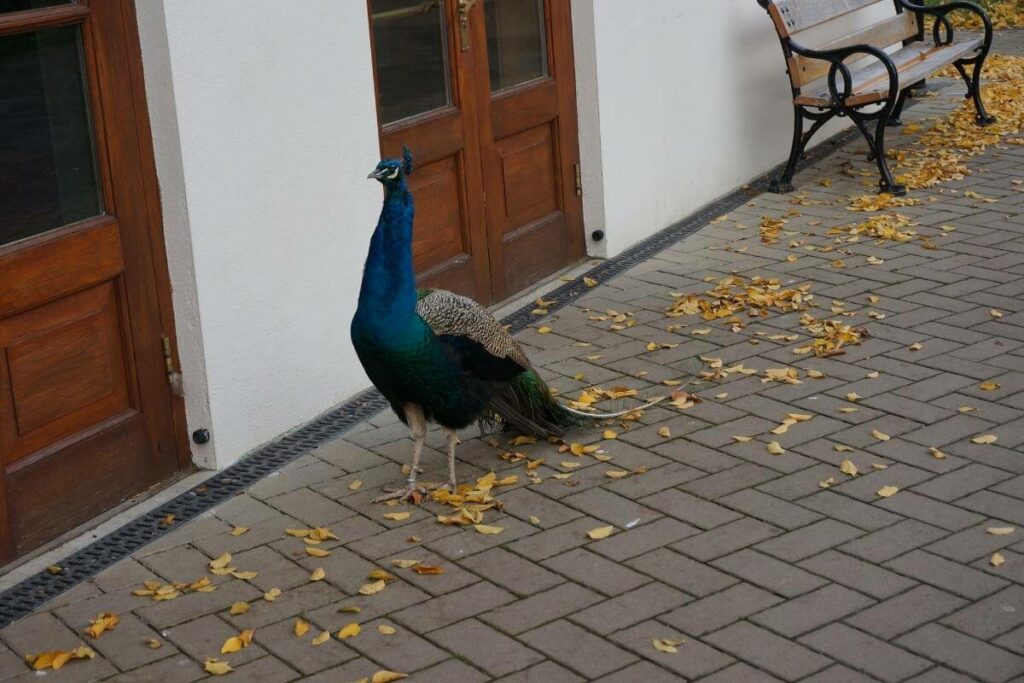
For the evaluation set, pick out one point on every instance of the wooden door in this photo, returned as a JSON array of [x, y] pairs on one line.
[[485, 98], [85, 409]]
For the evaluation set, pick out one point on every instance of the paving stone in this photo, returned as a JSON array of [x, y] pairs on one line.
[[855, 573], [769, 509], [641, 671], [905, 612], [266, 670], [811, 610], [809, 540], [556, 540], [994, 505], [689, 508], [577, 649], [951, 576], [991, 617], [924, 509], [310, 507], [726, 539], [695, 455], [630, 608], [693, 659], [127, 572], [262, 613], [681, 572], [511, 572], [849, 510], [161, 615], [623, 545], [397, 596], [177, 669], [767, 651], [543, 673], [837, 673], [963, 653], [594, 571], [611, 508], [541, 608], [767, 572], [897, 539], [280, 639], [740, 673], [865, 653], [962, 482], [452, 607], [401, 651], [726, 482]]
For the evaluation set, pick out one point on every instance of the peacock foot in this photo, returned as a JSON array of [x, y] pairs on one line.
[[415, 492], [450, 486]]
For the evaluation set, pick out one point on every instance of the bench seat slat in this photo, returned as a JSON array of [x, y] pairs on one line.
[[884, 33], [793, 16], [871, 82]]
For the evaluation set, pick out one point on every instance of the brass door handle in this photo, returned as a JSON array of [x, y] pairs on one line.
[[464, 7]]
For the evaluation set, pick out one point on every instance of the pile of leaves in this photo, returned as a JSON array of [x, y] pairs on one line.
[[734, 294], [1003, 13], [944, 148], [470, 501]]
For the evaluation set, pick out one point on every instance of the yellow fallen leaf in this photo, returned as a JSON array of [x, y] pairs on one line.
[[815, 374], [916, 346], [397, 516], [404, 564], [236, 643], [153, 643], [667, 646], [995, 313], [221, 562], [847, 467], [664, 432], [534, 520], [245, 576], [272, 594], [355, 485], [322, 638], [217, 667], [239, 530], [106, 621], [569, 465], [841, 448], [428, 569], [879, 435], [936, 453], [742, 439], [488, 530], [966, 409], [590, 282], [317, 574], [989, 386], [853, 397], [799, 417], [1000, 530], [544, 329], [724, 394], [827, 483], [381, 575], [997, 559], [372, 588], [985, 439], [888, 491], [301, 627], [351, 609], [386, 630], [848, 410], [600, 532], [239, 608], [775, 448], [385, 676], [609, 434], [317, 552], [349, 631], [616, 474]]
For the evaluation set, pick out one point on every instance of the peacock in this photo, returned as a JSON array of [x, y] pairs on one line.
[[438, 356]]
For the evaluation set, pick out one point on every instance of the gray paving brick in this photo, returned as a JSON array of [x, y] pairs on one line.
[[611, 508], [905, 612], [991, 617], [542, 673], [924, 509], [690, 508], [740, 673], [630, 608], [721, 609], [767, 651], [769, 509], [963, 653], [511, 572], [726, 539], [994, 505], [951, 576], [578, 649], [961, 482], [837, 673], [693, 659], [809, 540], [857, 574], [594, 571], [850, 510], [452, 607], [681, 572], [641, 539], [865, 653], [811, 610], [897, 539], [541, 608], [767, 572], [482, 646]]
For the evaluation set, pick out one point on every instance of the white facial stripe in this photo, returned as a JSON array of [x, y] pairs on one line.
[[393, 174]]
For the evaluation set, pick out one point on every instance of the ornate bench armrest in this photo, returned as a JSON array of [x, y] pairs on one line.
[[942, 21], [837, 58]]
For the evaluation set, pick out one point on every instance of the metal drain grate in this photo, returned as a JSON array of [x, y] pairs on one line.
[[23, 598]]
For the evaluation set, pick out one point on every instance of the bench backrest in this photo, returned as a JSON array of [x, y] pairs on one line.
[[793, 17]]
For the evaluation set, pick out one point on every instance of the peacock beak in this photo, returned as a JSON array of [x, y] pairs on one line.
[[374, 174]]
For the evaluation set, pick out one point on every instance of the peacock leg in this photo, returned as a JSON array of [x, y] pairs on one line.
[[418, 427], [453, 440]]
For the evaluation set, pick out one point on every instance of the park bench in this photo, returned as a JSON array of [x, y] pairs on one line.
[[855, 76]]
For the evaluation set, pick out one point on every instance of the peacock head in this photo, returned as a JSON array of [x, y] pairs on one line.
[[392, 172]]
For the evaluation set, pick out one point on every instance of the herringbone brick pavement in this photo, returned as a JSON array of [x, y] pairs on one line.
[[758, 572]]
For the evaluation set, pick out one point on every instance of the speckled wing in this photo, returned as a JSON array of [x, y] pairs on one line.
[[459, 316]]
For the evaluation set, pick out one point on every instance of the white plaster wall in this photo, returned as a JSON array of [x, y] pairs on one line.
[[680, 102], [264, 128]]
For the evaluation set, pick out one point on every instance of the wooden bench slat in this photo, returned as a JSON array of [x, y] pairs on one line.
[[793, 16], [887, 32], [871, 82]]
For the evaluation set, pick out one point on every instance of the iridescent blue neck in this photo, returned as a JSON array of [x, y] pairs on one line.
[[387, 298]]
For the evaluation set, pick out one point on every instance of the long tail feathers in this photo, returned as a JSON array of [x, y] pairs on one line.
[[527, 404], [607, 416]]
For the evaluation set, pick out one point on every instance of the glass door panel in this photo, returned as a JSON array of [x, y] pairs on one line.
[[516, 42], [411, 54], [48, 175]]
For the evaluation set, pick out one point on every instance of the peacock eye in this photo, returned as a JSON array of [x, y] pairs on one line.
[[393, 174]]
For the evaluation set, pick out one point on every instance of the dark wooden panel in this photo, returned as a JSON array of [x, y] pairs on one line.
[[57, 264], [523, 108], [535, 250], [528, 176], [438, 233], [65, 369]]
